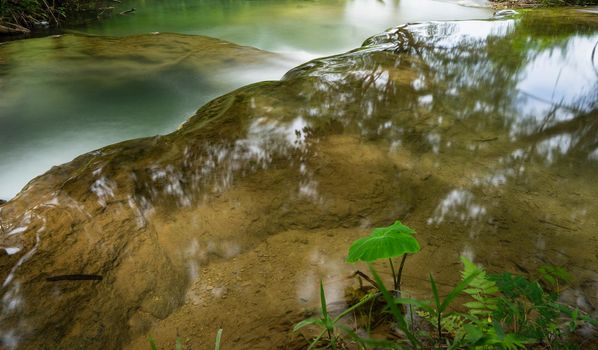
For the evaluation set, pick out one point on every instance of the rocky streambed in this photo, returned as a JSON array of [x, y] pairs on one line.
[[482, 135]]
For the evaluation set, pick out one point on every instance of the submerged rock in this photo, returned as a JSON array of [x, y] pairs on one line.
[[505, 13], [344, 142], [116, 81]]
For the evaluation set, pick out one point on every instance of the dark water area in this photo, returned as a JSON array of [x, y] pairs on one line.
[[481, 135]]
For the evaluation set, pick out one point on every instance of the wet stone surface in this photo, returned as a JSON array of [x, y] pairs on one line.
[[481, 135], [69, 94]]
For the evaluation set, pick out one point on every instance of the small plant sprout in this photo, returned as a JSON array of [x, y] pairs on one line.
[[218, 339], [329, 325], [386, 243]]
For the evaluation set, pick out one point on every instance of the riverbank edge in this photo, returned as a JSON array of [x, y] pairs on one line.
[[523, 4], [41, 17], [18, 20]]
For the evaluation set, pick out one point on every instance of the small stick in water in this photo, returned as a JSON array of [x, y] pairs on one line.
[[365, 277], [127, 12], [79, 277]]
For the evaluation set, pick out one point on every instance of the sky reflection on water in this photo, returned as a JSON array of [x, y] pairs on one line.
[[65, 96]]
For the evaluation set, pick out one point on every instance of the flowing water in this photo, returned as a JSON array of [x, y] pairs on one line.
[[482, 135], [307, 29], [64, 96]]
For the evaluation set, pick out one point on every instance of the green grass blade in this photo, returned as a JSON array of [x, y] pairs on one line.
[[152, 342], [438, 310], [394, 309], [417, 303], [218, 339], [178, 345], [435, 293], [328, 323], [350, 309], [307, 322], [323, 300], [316, 340]]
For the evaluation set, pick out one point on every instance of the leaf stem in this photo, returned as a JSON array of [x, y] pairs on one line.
[[394, 275], [398, 286]]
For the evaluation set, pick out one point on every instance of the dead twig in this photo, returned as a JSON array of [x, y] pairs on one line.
[[365, 277], [557, 225]]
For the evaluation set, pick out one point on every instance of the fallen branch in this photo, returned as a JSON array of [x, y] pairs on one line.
[[11, 28]]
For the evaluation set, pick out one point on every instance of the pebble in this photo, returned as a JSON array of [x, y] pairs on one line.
[[219, 292], [302, 241]]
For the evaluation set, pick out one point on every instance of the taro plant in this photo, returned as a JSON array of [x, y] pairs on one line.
[[386, 243], [495, 311]]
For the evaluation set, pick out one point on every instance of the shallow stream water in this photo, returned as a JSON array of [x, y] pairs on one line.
[[482, 135], [64, 96]]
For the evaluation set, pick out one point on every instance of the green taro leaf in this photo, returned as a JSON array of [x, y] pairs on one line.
[[384, 242], [397, 227]]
